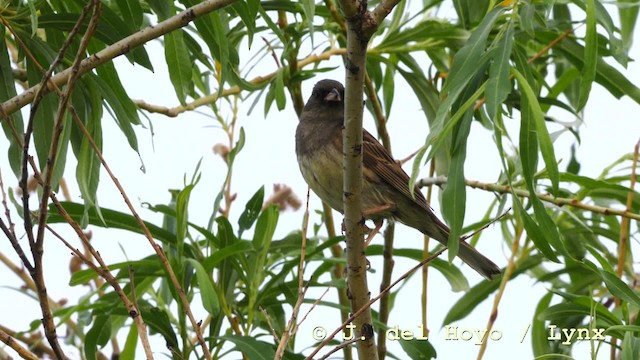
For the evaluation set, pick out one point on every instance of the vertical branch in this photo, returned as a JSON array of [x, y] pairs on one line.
[[37, 243], [352, 186], [624, 233], [361, 25], [425, 254], [511, 266], [302, 289], [624, 228], [387, 252]]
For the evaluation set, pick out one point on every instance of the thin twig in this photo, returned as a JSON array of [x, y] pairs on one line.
[[234, 90], [268, 320], [343, 345], [313, 306], [13, 344], [624, 234], [33, 341], [425, 254], [302, 288], [121, 47], [388, 262], [158, 250], [535, 57], [505, 189], [373, 300], [624, 228], [36, 243], [511, 265], [101, 270]]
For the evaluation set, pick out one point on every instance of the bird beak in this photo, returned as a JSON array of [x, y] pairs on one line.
[[333, 95]]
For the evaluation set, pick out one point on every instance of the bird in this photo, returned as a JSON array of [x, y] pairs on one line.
[[385, 184]]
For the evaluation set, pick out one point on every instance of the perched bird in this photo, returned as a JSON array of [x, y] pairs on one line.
[[385, 185]]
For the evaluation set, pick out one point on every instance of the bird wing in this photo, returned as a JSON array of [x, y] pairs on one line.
[[376, 158]]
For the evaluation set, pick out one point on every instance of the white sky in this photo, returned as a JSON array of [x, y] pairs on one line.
[[611, 129]]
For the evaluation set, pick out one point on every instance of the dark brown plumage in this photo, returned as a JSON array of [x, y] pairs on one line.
[[319, 151]]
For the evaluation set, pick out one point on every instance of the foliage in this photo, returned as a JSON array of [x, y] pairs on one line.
[[497, 63]]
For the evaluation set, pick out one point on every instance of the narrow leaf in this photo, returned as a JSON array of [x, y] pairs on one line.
[[178, 64], [499, 86], [207, 292], [590, 56]]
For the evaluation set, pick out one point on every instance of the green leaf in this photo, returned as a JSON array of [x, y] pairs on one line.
[[262, 238], [113, 219], [628, 13], [88, 168], [182, 217], [451, 272], [603, 262], [309, 8], [388, 89], [131, 12], [207, 292], [240, 247], [129, 349], [158, 321], [265, 228], [630, 347], [82, 277], [418, 348], [465, 62], [481, 292], [163, 9], [540, 130], [499, 86], [539, 331], [561, 312], [251, 211], [252, 348], [590, 56], [248, 13], [110, 30], [125, 112], [178, 64], [425, 35], [14, 132], [98, 335], [281, 97], [454, 196], [613, 80], [532, 130], [532, 228], [445, 128], [619, 289]]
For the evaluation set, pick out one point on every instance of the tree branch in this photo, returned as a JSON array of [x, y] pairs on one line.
[[359, 31], [504, 189], [119, 48]]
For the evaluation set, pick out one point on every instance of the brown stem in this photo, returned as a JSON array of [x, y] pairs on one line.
[[425, 254], [624, 234], [373, 300], [511, 266], [302, 289], [358, 289], [102, 270], [234, 90], [504, 189], [119, 48], [13, 344], [387, 253]]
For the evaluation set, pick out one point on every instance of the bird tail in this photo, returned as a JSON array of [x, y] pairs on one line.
[[437, 230], [477, 261]]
